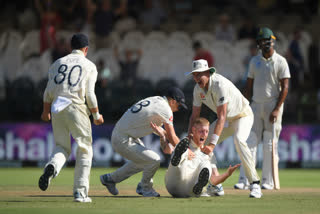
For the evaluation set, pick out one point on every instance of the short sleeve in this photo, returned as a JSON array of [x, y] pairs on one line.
[[251, 69], [284, 70], [221, 96], [167, 115]]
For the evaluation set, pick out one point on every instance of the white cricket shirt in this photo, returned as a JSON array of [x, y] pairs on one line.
[[267, 74], [135, 122], [221, 91], [72, 77]]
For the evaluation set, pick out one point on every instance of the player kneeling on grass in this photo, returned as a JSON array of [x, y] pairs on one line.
[[190, 169], [135, 124]]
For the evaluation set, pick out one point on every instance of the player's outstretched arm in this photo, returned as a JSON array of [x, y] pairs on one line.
[[215, 180]]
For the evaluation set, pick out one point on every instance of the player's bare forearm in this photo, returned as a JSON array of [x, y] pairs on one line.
[[283, 93], [248, 89], [217, 179], [222, 115], [219, 126], [165, 147], [171, 134], [46, 115], [164, 143]]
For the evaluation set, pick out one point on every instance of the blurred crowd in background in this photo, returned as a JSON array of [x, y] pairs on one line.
[[141, 47]]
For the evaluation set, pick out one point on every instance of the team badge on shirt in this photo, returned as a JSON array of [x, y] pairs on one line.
[[221, 99], [202, 96]]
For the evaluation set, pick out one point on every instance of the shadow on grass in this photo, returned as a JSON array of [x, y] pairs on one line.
[[94, 196]]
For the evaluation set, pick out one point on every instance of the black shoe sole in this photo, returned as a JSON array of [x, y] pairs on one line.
[[179, 150], [202, 181], [44, 179]]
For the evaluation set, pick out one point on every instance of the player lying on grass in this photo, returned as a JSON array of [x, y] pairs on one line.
[[190, 169]]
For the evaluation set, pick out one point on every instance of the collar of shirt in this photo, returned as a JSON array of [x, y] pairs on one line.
[[166, 99], [194, 146], [269, 59], [77, 52]]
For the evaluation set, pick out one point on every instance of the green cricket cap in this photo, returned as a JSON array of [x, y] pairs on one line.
[[265, 33]]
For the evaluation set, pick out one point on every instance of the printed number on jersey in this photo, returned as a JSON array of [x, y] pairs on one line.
[[63, 72], [137, 107]]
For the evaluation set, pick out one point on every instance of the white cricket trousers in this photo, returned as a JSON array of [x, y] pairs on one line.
[[139, 159], [264, 131], [181, 179], [73, 120], [240, 129]]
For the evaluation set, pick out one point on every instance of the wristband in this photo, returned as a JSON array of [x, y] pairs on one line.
[[214, 139], [96, 115]]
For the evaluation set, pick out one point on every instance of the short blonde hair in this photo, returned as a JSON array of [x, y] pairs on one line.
[[201, 121]]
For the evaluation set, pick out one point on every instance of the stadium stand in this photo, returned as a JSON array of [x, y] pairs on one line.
[[166, 52]]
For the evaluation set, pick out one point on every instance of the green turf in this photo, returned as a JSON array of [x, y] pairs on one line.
[[19, 193]]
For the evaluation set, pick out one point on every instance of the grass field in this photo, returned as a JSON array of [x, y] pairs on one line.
[[19, 193]]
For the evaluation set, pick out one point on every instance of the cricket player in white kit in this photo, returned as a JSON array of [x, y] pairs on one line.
[[190, 169], [234, 114], [134, 124], [70, 86], [268, 82]]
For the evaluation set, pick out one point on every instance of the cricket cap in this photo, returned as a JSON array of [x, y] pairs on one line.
[[265, 33], [178, 95]]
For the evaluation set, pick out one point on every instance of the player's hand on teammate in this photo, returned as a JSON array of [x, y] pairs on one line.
[[207, 149], [99, 121], [191, 154], [46, 116], [231, 169], [157, 129]]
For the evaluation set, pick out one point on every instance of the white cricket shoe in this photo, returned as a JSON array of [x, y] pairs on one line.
[[78, 197], [267, 186], [241, 186], [255, 191], [213, 190], [107, 181], [46, 177]]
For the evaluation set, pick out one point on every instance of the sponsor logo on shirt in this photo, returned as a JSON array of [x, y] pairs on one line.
[[171, 119], [221, 99], [202, 96]]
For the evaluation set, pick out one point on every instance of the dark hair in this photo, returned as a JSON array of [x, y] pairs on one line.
[[196, 45], [78, 41]]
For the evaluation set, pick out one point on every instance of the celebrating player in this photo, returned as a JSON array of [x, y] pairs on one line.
[[268, 82], [71, 84], [134, 124], [234, 114], [190, 169]]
